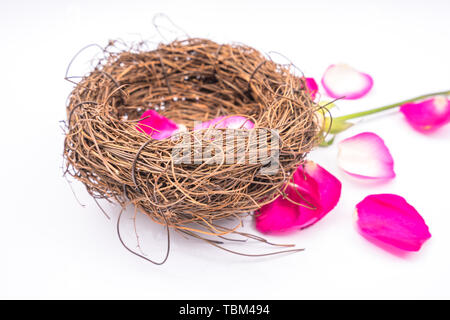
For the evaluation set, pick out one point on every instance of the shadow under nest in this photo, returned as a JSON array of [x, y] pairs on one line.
[[186, 81]]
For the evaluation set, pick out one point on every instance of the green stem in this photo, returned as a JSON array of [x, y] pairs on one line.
[[391, 106]]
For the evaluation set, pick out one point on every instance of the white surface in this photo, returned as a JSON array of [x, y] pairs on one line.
[[51, 247]]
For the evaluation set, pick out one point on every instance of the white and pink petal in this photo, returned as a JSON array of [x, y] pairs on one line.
[[365, 155], [344, 81]]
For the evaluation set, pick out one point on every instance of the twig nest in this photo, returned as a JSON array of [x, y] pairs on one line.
[[187, 81]]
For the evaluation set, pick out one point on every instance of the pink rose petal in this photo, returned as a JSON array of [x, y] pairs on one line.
[[155, 125], [341, 80], [314, 192], [278, 216], [319, 188], [366, 156], [227, 122], [390, 219], [427, 115], [312, 86]]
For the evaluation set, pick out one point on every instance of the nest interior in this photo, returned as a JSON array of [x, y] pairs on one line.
[[193, 79]]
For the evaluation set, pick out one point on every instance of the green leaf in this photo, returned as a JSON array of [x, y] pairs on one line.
[[325, 144], [336, 125]]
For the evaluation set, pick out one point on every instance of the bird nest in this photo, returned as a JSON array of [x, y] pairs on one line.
[[187, 81]]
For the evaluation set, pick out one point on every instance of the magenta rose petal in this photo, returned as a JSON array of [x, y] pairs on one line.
[[317, 189], [428, 115], [312, 86], [343, 81], [366, 156], [390, 219], [227, 122], [156, 125], [313, 192], [278, 216]]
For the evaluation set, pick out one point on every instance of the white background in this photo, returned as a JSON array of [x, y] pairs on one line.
[[51, 247]]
